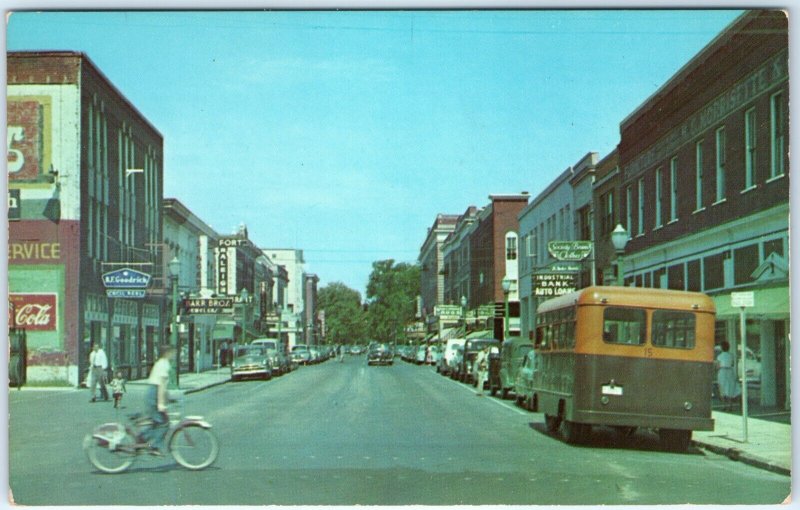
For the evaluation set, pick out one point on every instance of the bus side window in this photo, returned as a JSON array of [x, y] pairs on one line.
[[540, 336]]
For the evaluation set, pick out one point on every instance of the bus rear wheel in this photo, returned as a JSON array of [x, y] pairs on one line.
[[552, 423], [675, 440], [574, 433]]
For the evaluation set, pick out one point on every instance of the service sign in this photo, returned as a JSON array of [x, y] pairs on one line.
[[126, 278], [554, 284], [33, 312], [569, 250]]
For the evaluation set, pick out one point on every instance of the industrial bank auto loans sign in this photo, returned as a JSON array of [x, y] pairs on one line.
[[126, 283]]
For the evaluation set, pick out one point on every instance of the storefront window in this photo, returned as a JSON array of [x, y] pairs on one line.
[[714, 273], [745, 261]]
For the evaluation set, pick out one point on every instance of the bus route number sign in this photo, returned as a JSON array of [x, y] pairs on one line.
[[554, 284]]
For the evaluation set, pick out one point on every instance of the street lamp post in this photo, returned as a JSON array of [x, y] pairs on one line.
[[244, 295], [506, 290], [174, 373], [464, 313], [280, 320], [619, 238]]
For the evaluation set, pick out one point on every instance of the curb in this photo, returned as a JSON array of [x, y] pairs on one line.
[[747, 458], [201, 388]]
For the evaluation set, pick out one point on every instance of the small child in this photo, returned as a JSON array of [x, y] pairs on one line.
[[117, 387]]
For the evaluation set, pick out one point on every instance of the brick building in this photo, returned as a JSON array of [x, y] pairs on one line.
[[85, 187], [705, 188]]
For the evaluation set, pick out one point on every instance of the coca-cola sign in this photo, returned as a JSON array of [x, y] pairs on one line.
[[33, 312]]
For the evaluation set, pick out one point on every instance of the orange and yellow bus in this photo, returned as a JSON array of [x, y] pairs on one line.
[[625, 357]]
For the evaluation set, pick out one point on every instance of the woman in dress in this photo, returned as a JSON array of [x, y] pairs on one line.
[[726, 376]]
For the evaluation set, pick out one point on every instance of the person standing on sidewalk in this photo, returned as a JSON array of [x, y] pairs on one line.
[[482, 361], [98, 361], [726, 376]]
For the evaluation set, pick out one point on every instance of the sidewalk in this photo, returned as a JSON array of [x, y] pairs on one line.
[[768, 446], [192, 382]]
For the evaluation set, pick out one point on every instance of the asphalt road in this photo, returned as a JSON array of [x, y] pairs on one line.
[[346, 434]]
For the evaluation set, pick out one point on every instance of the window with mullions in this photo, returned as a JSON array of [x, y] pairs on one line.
[[749, 148], [673, 329], [777, 135], [624, 326]]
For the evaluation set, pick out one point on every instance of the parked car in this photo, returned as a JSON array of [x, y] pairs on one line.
[[301, 355], [379, 354], [250, 361], [315, 355], [443, 363], [471, 348], [512, 353], [434, 353], [456, 362], [523, 384], [356, 350], [421, 354]]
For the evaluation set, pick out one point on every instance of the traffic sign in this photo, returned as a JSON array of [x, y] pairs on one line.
[[742, 300]]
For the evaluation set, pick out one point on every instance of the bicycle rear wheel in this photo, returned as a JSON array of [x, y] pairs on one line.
[[111, 453], [194, 447]]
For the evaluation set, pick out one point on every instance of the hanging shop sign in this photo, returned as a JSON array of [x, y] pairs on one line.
[[126, 278], [208, 306], [448, 311], [569, 250], [126, 293], [554, 284]]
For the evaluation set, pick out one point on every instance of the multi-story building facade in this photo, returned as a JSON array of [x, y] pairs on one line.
[[582, 182], [704, 182], [291, 306], [549, 217], [456, 256], [187, 237], [85, 187], [311, 312], [606, 216], [494, 253], [431, 260]]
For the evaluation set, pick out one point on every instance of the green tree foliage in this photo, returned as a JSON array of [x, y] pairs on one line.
[[391, 297], [345, 319]]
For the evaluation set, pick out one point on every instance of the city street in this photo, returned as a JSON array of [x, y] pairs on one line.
[[344, 434]]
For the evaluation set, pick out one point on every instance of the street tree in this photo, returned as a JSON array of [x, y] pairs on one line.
[[345, 319], [392, 292]]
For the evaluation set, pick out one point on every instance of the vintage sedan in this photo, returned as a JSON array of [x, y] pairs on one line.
[[512, 353], [523, 385], [250, 361], [380, 354], [471, 349]]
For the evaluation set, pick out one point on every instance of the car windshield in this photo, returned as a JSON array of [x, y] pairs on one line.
[[477, 345], [379, 347], [267, 345], [300, 348], [250, 351]]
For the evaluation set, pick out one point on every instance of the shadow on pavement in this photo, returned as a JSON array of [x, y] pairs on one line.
[[609, 438]]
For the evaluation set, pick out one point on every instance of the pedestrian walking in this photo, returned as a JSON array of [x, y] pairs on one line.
[[729, 388], [117, 388], [482, 361], [98, 361]]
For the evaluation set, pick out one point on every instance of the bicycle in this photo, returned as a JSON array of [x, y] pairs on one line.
[[112, 447]]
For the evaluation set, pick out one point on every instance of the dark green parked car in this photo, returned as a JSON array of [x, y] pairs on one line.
[[504, 375]]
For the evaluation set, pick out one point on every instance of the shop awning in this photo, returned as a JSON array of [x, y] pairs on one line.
[[770, 303]]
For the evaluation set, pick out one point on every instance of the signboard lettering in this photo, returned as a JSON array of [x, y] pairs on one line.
[[33, 312], [570, 250], [208, 306], [14, 205], [126, 293], [742, 299], [27, 138], [448, 311], [554, 284], [126, 278], [222, 271], [28, 250]]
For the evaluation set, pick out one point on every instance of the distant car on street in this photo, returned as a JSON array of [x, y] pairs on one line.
[[443, 363], [250, 361], [379, 354], [301, 355], [421, 354]]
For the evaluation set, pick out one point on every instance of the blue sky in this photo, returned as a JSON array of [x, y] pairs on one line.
[[345, 133]]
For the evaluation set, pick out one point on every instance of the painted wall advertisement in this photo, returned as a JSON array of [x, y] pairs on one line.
[[32, 312], [27, 139]]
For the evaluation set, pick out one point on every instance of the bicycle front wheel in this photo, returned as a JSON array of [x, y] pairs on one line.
[[110, 455], [194, 447]]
